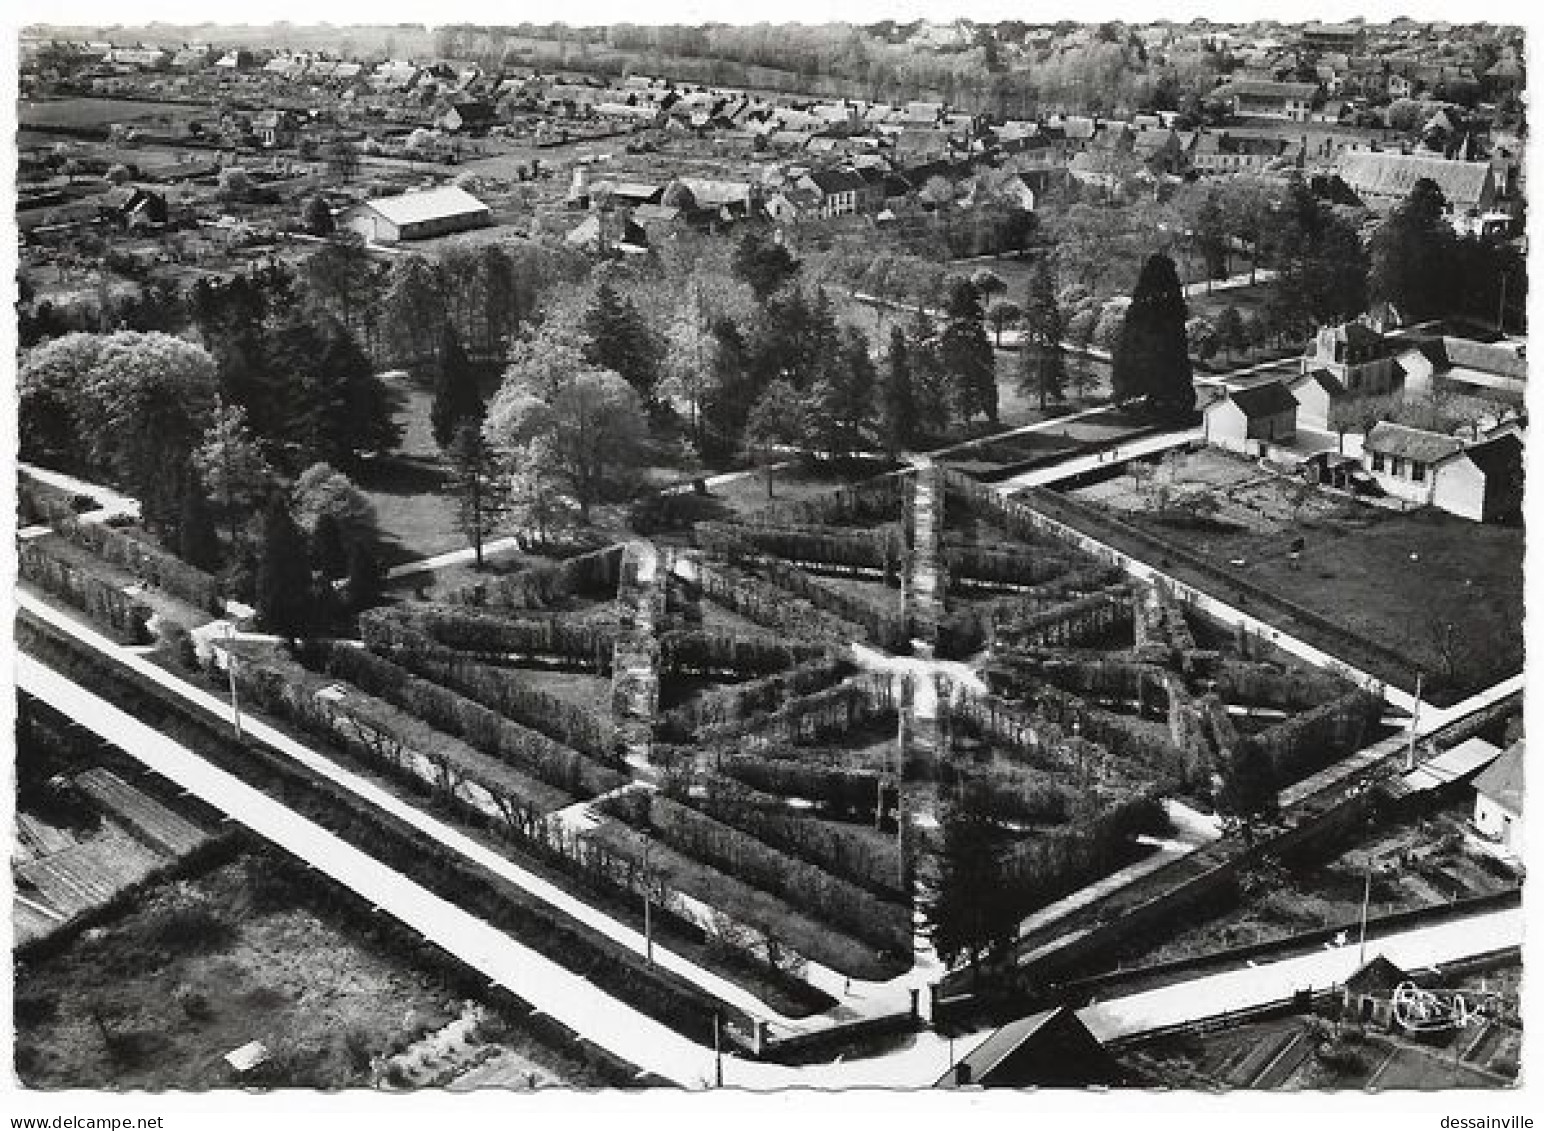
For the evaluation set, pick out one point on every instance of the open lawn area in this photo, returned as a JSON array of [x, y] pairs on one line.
[[1428, 591]]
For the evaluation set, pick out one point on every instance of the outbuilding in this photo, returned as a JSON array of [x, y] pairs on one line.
[[417, 215]]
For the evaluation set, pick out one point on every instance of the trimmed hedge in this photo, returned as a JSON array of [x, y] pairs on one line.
[[380, 733], [501, 690], [766, 604], [151, 564], [490, 637], [723, 707], [870, 503], [812, 718], [694, 652], [874, 865], [487, 730], [1303, 745], [104, 601], [540, 587], [883, 924]]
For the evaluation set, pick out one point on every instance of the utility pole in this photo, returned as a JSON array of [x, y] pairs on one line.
[[1501, 307], [230, 671], [1361, 942], [1415, 716], [718, 1052], [648, 905]]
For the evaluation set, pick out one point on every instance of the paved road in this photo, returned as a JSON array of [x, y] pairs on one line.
[[110, 504], [1267, 983], [1066, 469]]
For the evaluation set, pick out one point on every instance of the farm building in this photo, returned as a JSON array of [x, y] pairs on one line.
[[417, 215], [1498, 801], [1264, 414], [1483, 368]]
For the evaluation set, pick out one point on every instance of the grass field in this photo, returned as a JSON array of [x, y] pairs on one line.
[[91, 113], [1445, 592]]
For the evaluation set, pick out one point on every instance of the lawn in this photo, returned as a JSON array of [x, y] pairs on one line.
[[1444, 592]]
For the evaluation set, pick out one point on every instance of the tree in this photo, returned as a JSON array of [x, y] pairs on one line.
[[966, 354], [364, 575], [235, 184], [197, 542], [283, 574], [845, 396], [231, 464], [316, 215], [1043, 366], [763, 264], [322, 489], [777, 418], [329, 549], [476, 482], [144, 408], [340, 406], [1232, 334], [1002, 314], [967, 910], [51, 389], [1413, 257], [1152, 358], [586, 422], [897, 402], [619, 339], [413, 308], [457, 399], [1322, 265]]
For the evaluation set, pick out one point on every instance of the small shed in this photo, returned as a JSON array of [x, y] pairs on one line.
[[1053, 1049]]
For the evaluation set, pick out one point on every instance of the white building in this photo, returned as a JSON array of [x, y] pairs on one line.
[[1498, 801], [417, 215]]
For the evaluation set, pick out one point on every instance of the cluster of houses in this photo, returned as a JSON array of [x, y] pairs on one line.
[[1323, 419]]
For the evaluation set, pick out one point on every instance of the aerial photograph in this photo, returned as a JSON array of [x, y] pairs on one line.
[[933, 554]]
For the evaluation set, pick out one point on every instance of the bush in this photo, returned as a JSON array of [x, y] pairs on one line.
[[188, 929]]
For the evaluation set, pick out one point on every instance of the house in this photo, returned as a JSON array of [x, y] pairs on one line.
[[468, 116], [1246, 420], [1401, 459], [1259, 98], [841, 192], [1494, 369], [1383, 180], [1333, 37], [274, 127], [1053, 1049], [235, 60], [193, 57], [1343, 364], [1498, 801], [132, 207], [1483, 482], [417, 215], [1222, 153]]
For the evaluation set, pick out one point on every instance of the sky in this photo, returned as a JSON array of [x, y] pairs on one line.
[[580, 12]]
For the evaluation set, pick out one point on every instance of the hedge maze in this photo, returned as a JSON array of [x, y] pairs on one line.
[[852, 732]]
